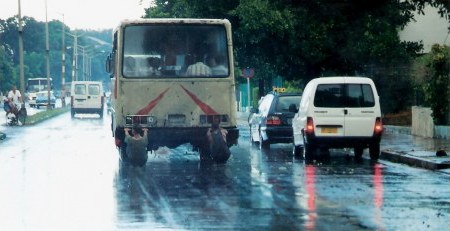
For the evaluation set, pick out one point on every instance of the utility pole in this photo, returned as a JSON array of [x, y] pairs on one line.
[[85, 65], [47, 57], [63, 65], [22, 77], [75, 56]]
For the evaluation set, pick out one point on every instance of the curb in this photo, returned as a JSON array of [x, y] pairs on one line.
[[413, 160]]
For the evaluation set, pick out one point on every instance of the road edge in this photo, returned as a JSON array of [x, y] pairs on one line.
[[413, 160]]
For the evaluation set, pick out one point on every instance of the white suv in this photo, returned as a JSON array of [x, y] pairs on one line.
[[338, 112], [87, 97]]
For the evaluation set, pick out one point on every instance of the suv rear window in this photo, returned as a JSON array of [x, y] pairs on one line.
[[80, 89], [94, 89], [344, 95]]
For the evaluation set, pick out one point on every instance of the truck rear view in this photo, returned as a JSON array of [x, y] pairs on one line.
[[173, 76]]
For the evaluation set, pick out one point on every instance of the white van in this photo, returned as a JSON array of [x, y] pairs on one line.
[[87, 97], [338, 112]]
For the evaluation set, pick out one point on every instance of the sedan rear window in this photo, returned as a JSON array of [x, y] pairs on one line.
[[344, 95], [285, 101]]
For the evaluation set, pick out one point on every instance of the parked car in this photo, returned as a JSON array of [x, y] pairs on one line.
[[338, 112], [270, 123], [42, 99]]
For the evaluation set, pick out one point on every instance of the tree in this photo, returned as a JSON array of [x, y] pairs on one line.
[[312, 38], [7, 75], [436, 87], [34, 50]]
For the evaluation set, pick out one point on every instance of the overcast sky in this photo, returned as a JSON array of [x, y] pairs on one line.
[[78, 14], [430, 28]]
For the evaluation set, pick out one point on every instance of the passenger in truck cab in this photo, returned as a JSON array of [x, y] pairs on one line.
[[198, 68], [216, 62]]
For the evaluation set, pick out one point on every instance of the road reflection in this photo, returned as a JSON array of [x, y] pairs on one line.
[[378, 195], [310, 181], [175, 191]]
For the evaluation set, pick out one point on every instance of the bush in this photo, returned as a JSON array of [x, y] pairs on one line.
[[44, 115], [398, 119]]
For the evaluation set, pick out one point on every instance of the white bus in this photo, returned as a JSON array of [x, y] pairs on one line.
[[173, 76], [35, 85]]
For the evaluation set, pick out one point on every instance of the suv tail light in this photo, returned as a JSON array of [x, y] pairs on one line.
[[273, 120], [309, 130], [378, 129], [71, 101]]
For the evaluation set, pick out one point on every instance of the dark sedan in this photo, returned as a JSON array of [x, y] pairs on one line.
[[271, 122]]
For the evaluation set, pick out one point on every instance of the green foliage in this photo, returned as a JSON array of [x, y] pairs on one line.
[[301, 40], [295, 86], [437, 83], [34, 46], [7, 75], [44, 115]]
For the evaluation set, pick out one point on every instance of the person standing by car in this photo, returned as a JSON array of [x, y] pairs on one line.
[[136, 145]]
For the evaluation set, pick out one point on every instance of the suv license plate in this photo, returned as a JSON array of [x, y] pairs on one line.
[[329, 130]]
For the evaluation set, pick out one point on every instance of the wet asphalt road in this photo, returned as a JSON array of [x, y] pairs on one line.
[[65, 174]]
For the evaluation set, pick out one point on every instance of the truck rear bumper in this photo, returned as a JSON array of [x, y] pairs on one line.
[[176, 136]]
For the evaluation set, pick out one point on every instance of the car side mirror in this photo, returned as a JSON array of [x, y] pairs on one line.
[[293, 108]]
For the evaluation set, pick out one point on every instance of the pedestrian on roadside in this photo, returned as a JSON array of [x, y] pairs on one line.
[[136, 145]]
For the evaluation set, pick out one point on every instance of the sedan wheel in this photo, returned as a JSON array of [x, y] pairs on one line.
[[297, 151], [263, 144], [252, 141]]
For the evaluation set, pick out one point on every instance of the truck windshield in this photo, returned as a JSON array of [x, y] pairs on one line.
[[171, 51]]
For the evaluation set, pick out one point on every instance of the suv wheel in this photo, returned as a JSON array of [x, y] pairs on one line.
[[308, 150], [374, 151], [358, 152]]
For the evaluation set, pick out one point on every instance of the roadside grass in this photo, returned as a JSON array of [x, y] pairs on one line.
[[44, 115]]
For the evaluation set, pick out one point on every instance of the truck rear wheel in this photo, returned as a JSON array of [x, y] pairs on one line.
[[123, 153], [203, 151]]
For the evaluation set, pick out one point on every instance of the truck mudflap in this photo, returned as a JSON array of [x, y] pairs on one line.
[[174, 137]]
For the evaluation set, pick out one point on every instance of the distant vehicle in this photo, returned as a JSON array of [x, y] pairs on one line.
[[35, 85], [271, 122], [162, 80], [338, 112], [42, 99], [87, 97]]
